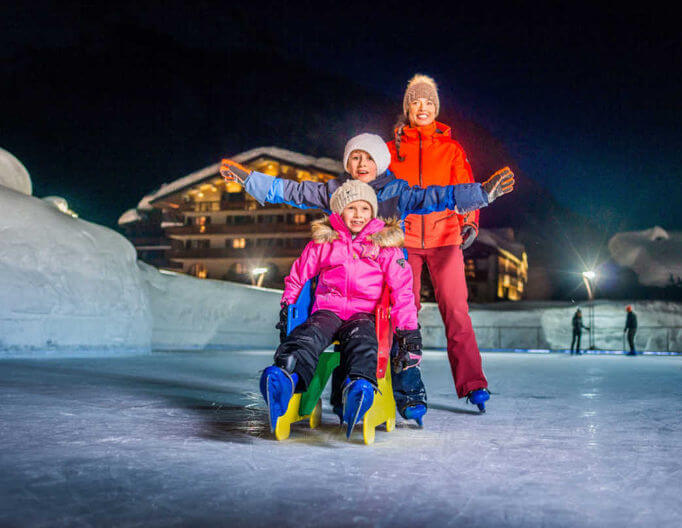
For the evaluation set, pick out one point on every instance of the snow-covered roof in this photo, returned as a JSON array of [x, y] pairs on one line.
[[130, 216], [325, 164], [655, 254]]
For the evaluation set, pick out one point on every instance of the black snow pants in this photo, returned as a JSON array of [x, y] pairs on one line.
[[357, 343], [576, 336], [631, 340]]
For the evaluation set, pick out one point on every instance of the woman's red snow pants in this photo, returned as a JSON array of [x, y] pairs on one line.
[[446, 267]]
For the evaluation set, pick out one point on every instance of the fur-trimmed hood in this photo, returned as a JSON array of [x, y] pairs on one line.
[[383, 233]]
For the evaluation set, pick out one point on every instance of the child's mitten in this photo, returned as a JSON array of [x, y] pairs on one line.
[[409, 349]]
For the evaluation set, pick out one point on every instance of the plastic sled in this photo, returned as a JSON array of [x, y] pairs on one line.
[[308, 405]]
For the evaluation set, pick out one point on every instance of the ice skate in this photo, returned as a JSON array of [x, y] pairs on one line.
[[416, 413], [479, 397], [277, 387], [358, 396]]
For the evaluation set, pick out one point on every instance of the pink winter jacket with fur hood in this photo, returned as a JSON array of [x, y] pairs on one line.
[[352, 271]]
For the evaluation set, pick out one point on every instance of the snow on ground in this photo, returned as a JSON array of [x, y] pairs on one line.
[[180, 439]]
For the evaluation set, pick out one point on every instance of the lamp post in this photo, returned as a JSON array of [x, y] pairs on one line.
[[257, 276], [588, 279]]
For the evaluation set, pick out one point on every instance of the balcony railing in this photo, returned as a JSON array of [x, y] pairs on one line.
[[246, 253], [238, 230]]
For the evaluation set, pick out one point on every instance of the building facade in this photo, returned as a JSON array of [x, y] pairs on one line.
[[209, 228]]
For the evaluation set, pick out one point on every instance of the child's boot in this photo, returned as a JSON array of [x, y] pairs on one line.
[[358, 396], [277, 387], [478, 397], [416, 413]]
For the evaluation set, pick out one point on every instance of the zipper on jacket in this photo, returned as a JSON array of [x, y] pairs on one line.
[[421, 184]]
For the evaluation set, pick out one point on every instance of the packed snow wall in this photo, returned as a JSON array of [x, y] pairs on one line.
[[191, 313], [67, 285]]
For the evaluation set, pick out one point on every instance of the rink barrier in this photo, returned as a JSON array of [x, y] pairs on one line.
[[654, 340]]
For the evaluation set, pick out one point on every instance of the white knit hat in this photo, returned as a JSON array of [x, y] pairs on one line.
[[352, 191], [372, 145]]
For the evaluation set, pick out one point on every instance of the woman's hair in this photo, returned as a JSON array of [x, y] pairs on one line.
[[400, 124]]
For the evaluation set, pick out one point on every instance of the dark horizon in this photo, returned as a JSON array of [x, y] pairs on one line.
[[100, 106]]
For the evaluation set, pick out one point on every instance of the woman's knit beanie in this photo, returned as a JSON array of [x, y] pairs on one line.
[[420, 86], [352, 191], [372, 145]]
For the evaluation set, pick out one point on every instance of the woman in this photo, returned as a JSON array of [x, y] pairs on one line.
[[423, 153]]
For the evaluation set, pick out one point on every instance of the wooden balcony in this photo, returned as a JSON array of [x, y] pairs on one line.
[[232, 253], [274, 230]]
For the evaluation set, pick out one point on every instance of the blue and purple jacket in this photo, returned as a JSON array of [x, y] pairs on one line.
[[396, 198]]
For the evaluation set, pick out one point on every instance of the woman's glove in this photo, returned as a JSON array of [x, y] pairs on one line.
[[232, 171], [409, 349], [502, 182], [469, 234], [283, 321]]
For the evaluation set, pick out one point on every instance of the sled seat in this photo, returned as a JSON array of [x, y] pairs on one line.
[[308, 405]]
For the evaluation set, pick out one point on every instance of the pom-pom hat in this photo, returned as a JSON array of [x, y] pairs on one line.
[[421, 86], [352, 191]]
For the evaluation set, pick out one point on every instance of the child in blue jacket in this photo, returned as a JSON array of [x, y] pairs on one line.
[[366, 158]]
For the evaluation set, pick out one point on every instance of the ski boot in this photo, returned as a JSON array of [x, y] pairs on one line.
[[277, 387], [478, 397], [358, 396], [416, 413]]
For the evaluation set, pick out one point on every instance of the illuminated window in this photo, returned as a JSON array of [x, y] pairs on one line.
[[299, 218], [470, 269], [233, 187], [239, 243], [199, 270], [239, 268]]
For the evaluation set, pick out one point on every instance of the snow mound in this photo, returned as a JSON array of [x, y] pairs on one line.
[[66, 283], [191, 313], [13, 174], [653, 254]]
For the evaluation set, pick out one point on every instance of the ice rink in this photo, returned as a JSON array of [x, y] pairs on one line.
[[180, 439]]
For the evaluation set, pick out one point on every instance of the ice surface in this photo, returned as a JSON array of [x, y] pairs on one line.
[[13, 174], [180, 439], [655, 255]]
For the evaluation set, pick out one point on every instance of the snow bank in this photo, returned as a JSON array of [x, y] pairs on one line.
[[66, 284], [547, 325], [13, 174], [655, 255], [191, 313]]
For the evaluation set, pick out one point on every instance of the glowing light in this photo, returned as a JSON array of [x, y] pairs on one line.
[[590, 275], [259, 271]]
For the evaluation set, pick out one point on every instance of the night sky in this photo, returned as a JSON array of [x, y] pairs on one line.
[[104, 104]]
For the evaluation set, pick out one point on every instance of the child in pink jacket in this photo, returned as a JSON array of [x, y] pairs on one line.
[[353, 253]]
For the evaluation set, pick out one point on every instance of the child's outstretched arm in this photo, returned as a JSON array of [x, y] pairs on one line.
[[266, 189], [463, 197], [303, 269]]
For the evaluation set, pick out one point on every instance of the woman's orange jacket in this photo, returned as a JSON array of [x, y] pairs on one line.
[[432, 157]]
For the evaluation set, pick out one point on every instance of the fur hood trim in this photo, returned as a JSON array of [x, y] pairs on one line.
[[391, 235]]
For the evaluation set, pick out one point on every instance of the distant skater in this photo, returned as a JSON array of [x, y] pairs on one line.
[[577, 330], [631, 329]]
